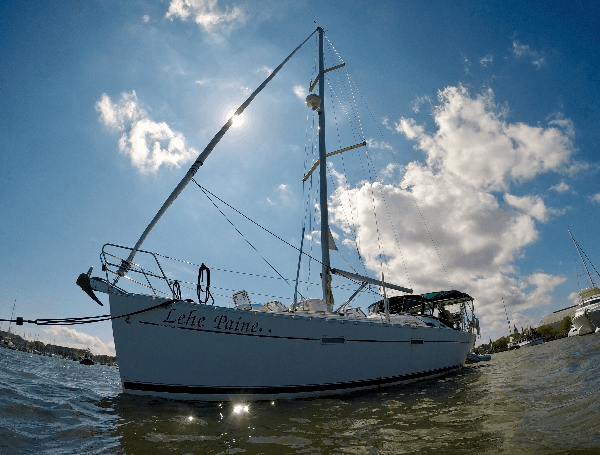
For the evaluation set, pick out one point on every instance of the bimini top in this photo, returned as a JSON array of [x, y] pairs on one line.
[[406, 303]]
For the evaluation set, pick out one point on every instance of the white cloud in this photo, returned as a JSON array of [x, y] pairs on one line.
[[64, 336], [409, 128], [520, 49], [390, 173], [145, 18], [474, 142], [576, 167], [282, 197], [561, 187], [530, 205], [266, 70], [300, 91], [151, 144], [467, 66], [116, 116], [419, 101], [539, 62], [574, 297], [148, 144], [383, 145], [224, 84], [524, 50], [595, 198], [476, 239], [452, 199], [485, 61], [206, 13], [565, 124]]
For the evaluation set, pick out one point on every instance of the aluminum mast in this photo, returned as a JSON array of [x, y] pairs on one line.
[[325, 273]]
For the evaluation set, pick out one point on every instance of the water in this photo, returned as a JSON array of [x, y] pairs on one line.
[[543, 399]]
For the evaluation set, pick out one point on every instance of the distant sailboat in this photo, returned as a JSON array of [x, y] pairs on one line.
[[586, 318], [184, 349], [8, 342]]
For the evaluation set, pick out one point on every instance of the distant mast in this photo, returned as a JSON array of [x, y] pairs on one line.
[[325, 270], [581, 257], [12, 315]]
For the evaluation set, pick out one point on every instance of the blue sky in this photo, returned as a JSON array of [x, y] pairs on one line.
[[487, 111]]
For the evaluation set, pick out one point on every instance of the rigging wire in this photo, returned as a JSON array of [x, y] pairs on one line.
[[329, 173], [385, 202], [307, 189], [306, 144], [360, 132], [311, 207], [588, 259], [358, 137], [343, 180], [412, 195], [506, 314], [86, 319], [206, 192], [309, 141], [577, 269]]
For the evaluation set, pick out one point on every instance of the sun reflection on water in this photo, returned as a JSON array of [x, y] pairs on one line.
[[241, 408]]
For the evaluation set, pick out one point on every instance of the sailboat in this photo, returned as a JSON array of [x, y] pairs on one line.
[[586, 318], [186, 349]]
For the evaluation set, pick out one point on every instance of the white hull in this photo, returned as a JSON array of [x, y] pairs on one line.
[[533, 342], [587, 319], [201, 352]]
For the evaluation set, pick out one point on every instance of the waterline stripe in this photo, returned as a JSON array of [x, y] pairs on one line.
[[269, 390]]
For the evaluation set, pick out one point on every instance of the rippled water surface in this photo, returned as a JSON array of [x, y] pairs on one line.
[[541, 399]]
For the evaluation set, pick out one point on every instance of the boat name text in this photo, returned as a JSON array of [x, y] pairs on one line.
[[221, 322]]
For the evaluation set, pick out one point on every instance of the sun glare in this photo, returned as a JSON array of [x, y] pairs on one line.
[[238, 120]]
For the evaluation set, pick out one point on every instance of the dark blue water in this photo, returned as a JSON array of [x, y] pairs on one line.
[[542, 399]]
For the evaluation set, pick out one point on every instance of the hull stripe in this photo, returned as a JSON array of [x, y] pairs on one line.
[[272, 390]]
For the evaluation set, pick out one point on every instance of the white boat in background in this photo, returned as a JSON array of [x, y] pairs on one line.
[[586, 318], [529, 338], [476, 358], [172, 346], [534, 341]]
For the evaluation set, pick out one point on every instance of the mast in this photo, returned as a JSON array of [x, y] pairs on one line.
[[581, 257], [325, 275]]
